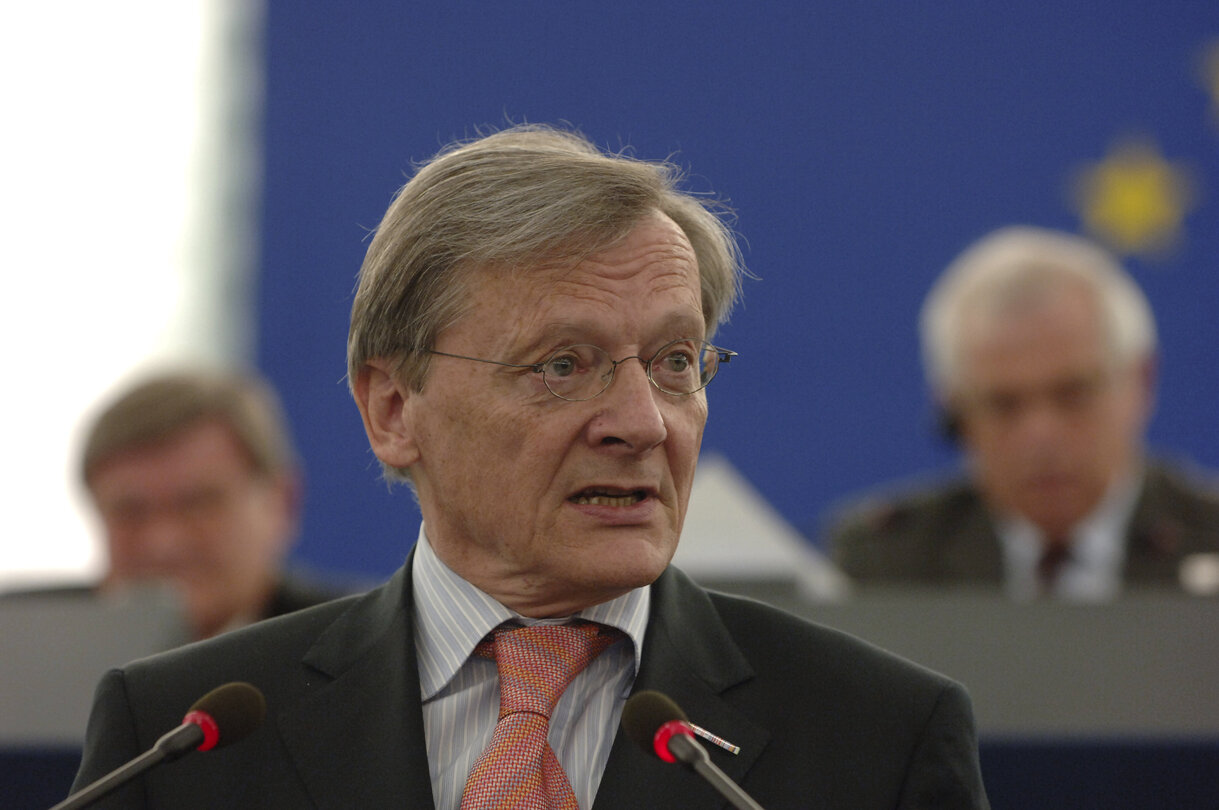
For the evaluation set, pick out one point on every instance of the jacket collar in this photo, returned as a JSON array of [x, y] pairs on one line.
[[353, 721]]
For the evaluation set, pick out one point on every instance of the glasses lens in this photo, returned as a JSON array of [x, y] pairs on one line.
[[684, 366], [577, 372]]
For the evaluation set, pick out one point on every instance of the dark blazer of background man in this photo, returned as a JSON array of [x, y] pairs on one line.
[[528, 348], [1041, 352]]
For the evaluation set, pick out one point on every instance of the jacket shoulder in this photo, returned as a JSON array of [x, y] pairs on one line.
[[1177, 514], [255, 653], [793, 647], [897, 508], [1191, 491], [933, 531]]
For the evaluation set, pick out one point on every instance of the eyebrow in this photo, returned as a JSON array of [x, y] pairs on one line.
[[573, 332]]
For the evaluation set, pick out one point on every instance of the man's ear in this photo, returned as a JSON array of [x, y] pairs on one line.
[[383, 401], [1148, 370], [947, 417], [948, 423]]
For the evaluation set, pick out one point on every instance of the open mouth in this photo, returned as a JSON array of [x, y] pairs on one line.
[[608, 497]]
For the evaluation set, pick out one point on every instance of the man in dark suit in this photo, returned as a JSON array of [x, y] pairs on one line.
[[1041, 352], [529, 348], [194, 478]]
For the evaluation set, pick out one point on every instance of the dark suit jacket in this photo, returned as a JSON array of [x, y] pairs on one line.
[[823, 720], [943, 535]]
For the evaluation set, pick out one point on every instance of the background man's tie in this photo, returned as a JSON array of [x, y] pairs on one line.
[[1054, 558], [518, 768]]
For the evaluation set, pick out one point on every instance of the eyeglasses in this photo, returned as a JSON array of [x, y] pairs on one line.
[[576, 373]]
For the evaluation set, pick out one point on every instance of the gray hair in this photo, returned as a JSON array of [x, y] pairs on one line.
[[1019, 262], [514, 198], [167, 404]]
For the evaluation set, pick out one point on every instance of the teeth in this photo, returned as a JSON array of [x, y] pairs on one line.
[[609, 500]]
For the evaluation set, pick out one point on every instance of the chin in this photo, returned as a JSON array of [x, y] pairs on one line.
[[1053, 518], [631, 564]]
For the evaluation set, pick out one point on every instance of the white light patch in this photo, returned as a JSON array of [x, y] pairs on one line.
[[122, 247]]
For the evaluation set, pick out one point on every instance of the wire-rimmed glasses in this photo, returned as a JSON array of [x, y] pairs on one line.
[[576, 373]]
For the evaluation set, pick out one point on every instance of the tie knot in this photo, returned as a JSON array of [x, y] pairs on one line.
[[1054, 557], [537, 663]]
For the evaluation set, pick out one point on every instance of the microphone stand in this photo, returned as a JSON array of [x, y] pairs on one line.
[[182, 740], [694, 756]]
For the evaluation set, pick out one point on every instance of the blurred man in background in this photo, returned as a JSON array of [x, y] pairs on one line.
[[1040, 351], [196, 483]]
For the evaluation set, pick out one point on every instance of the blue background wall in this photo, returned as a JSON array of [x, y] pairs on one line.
[[863, 145]]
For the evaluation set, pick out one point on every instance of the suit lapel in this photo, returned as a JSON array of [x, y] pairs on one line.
[[354, 725], [689, 656], [1157, 537]]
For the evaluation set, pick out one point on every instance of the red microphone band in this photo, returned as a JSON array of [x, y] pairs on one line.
[[211, 731], [667, 732]]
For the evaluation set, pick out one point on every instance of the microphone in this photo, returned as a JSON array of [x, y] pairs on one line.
[[224, 715], [658, 726]]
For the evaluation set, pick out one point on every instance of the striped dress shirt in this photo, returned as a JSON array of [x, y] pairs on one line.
[[460, 691]]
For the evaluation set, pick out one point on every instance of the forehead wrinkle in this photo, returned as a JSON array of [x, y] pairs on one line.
[[604, 279], [586, 287], [665, 244], [597, 296]]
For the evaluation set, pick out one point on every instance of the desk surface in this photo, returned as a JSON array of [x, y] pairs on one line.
[[56, 646], [1077, 706], [1143, 666]]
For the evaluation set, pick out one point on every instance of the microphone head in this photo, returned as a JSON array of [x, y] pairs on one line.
[[228, 713], [645, 716]]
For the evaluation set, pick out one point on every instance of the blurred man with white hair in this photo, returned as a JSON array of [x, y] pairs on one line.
[[1041, 352]]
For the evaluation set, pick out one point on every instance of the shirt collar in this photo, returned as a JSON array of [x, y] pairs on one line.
[[452, 616], [1100, 539], [1098, 548]]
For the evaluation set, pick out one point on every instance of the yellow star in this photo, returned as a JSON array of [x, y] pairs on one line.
[[1134, 200]]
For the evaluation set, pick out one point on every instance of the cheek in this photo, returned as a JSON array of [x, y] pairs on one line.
[[991, 449], [685, 435], [508, 447], [118, 538], [233, 536], [689, 439], [1128, 420], [497, 434], [121, 554], [129, 545], [248, 536]]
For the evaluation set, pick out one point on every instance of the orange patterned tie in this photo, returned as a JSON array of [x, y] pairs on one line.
[[518, 768]]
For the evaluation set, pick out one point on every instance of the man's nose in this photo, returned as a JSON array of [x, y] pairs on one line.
[[630, 413], [1041, 420], [163, 536]]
